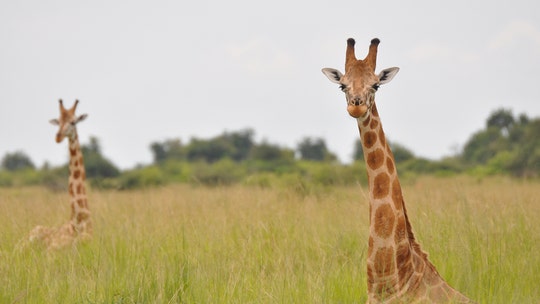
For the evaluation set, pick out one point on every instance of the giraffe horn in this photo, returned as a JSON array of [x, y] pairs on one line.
[[61, 103], [74, 106], [350, 58], [371, 58]]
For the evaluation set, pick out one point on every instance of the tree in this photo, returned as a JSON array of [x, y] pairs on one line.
[[96, 165], [209, 150], [401, 153], [501, 120], [481, 146], [358, 150], [169, 149], [314, 149], [242, 141], [17, 161]]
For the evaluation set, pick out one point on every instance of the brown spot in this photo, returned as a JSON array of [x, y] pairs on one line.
[[72, 152], [79, 188], [381, 185], [397, 196], [370, 246], [76, 173], [374, 124], [70, 188], [370, 274], [76, 163], [81, 160], [390, 165], [415, 282], [374, 111], [375, 159], [384, 221], [404, 272], [381, 137], [403, 254], [384, 262], [82, 203], [370, 138], [83, 176], [401, 230], [82, 216], [366, 122], [418, 263]]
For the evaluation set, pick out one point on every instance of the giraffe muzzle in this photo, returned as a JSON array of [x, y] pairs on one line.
[[357, 110]]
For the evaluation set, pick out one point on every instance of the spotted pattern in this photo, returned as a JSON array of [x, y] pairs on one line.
[[385, 261], [375, 159], [381, 185], [384, 221], [370, 138]]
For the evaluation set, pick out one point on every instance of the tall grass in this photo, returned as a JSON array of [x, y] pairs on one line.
[[240, 244]]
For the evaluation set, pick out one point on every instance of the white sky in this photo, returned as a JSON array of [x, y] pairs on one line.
[[154, 70]]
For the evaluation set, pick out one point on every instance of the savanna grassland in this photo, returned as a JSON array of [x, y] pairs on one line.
[[282, 244]]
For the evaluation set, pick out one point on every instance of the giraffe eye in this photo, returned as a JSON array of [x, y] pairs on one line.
[[342, 87], [375, 87]]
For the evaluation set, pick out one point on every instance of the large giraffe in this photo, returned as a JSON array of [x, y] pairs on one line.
[[398, 270], [79, 226]]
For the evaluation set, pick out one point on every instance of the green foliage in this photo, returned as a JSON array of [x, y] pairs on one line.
[[142, 178], [235, 145], [97, 166], [222, 172], [16, 161], [401, 153], [314, 149], [507, 145], [55, 179]]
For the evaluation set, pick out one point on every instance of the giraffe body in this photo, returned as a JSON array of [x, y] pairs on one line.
[[398, 270], [79, 226]]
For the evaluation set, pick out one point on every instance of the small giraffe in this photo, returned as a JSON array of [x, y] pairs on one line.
[[80, 226], [398, 270]]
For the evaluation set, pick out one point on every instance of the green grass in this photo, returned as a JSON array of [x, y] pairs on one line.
[[242, 244]]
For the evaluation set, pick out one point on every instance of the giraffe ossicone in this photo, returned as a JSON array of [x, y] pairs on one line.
[[398, 270], [79, 227]]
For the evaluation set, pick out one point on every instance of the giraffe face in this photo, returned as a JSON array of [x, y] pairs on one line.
[[359, 83], [67, 121]]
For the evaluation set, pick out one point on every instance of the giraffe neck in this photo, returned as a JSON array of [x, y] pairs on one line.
[[80, 214], [393, 254]]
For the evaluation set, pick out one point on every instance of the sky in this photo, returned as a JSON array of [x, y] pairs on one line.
[[148, 71]]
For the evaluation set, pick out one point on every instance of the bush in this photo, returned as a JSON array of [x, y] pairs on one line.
[[141, 178], [222, 172]]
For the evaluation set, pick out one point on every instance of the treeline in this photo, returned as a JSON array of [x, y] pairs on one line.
[[507, 145]]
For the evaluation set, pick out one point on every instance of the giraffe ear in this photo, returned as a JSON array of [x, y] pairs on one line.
[[387, 74], [81, 118], [333, 74], [54, 122]]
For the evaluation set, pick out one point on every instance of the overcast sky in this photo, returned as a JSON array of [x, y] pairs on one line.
[[155, 70]]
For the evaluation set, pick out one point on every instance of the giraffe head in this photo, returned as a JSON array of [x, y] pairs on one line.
[[359, 83], [67, 121]]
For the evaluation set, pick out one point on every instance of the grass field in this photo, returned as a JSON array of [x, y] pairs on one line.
[[244, 244]]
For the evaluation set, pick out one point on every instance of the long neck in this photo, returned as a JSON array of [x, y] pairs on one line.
[[80, 214], [391, 240]]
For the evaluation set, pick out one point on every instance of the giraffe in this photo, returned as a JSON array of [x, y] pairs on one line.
[[79, 226], [398, 271]]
